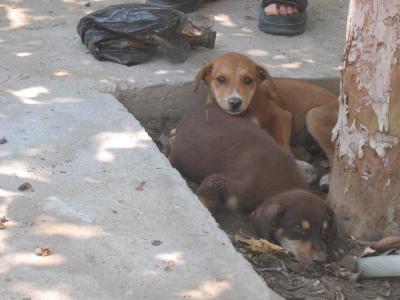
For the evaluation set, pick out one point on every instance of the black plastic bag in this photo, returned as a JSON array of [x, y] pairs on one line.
[[130, 34]]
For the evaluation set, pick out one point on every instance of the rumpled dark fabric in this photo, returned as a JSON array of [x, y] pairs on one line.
[[130, 34]]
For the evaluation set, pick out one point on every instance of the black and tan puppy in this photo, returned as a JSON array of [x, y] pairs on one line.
[[238, 165]]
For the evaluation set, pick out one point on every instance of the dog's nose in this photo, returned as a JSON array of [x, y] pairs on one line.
[[234, 103]]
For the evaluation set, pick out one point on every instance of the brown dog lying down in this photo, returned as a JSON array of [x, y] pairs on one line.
[[284, 107], [238, 165]]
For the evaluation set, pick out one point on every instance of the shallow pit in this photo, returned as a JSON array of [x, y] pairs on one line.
[[159, 109]]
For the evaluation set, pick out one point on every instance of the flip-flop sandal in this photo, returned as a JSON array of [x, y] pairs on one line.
[[185, 6], [284, 25]]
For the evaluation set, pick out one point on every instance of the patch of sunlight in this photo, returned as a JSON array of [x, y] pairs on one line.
[[66, 100], [6, 198], [173, 258], [118, 140], [163, 72], [225, 20], [152, 273], [4, 237], [60, 73], [247, 30], [27, 288], [308, 60], [31, 152], [9, 261], [20, 169], [27, 95], [242, 34], [24, 54], [17, 17], [208, 290], [257, 52], [279, 57], [294, 65], [72, 231]]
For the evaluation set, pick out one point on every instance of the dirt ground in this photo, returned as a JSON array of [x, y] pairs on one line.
[[336, 279]]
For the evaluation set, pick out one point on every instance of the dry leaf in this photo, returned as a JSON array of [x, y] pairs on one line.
[[261, 246], [156, 243], [2, 226], [368, 252], [168, 269], [140, 187], [25, 186]]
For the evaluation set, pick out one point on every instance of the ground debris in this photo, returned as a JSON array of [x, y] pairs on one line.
[[339, 294], [140, 186], [25, 187], [156, 243], [2, 226], [45, 251], [260, 246], [3, 140]]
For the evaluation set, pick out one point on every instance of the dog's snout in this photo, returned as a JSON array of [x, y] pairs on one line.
[[235, 103]]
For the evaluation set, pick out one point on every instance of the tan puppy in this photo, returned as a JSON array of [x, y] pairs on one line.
[[284, 107]]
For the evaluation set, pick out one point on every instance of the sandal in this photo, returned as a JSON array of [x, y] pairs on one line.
[[185, 6], [284, 25]]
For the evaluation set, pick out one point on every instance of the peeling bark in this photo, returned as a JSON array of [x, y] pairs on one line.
[[365, 187]]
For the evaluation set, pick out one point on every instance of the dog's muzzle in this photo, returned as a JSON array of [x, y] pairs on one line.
[[235, 104]]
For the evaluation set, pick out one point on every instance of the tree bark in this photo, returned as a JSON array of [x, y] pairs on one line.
[[365, 180]]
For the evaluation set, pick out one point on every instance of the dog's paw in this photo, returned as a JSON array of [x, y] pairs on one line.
[[309, 172], [325, 182]]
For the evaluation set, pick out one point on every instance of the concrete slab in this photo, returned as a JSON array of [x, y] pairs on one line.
[[102, 193]]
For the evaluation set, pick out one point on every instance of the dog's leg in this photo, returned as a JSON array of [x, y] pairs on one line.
[[320, 122], [282, 128], [212, 191]]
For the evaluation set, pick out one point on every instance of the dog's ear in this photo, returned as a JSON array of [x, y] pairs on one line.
[[265, 220], [262, 73], [202, 75]]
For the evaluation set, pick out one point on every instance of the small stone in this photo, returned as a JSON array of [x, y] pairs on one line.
[[3, 141], [87, 4], [45, 251], [25, 186], [316, 283], [140, 187], [325, 182], [156, 243], [168, 269]]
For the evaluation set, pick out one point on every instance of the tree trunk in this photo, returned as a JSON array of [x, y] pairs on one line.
[[365, 180]]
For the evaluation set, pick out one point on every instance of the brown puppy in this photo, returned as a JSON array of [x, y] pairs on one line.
[[284, 107], [238, 165]]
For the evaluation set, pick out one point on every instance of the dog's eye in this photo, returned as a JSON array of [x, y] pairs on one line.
[[248, 80], [298, 228], [221, 79]]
